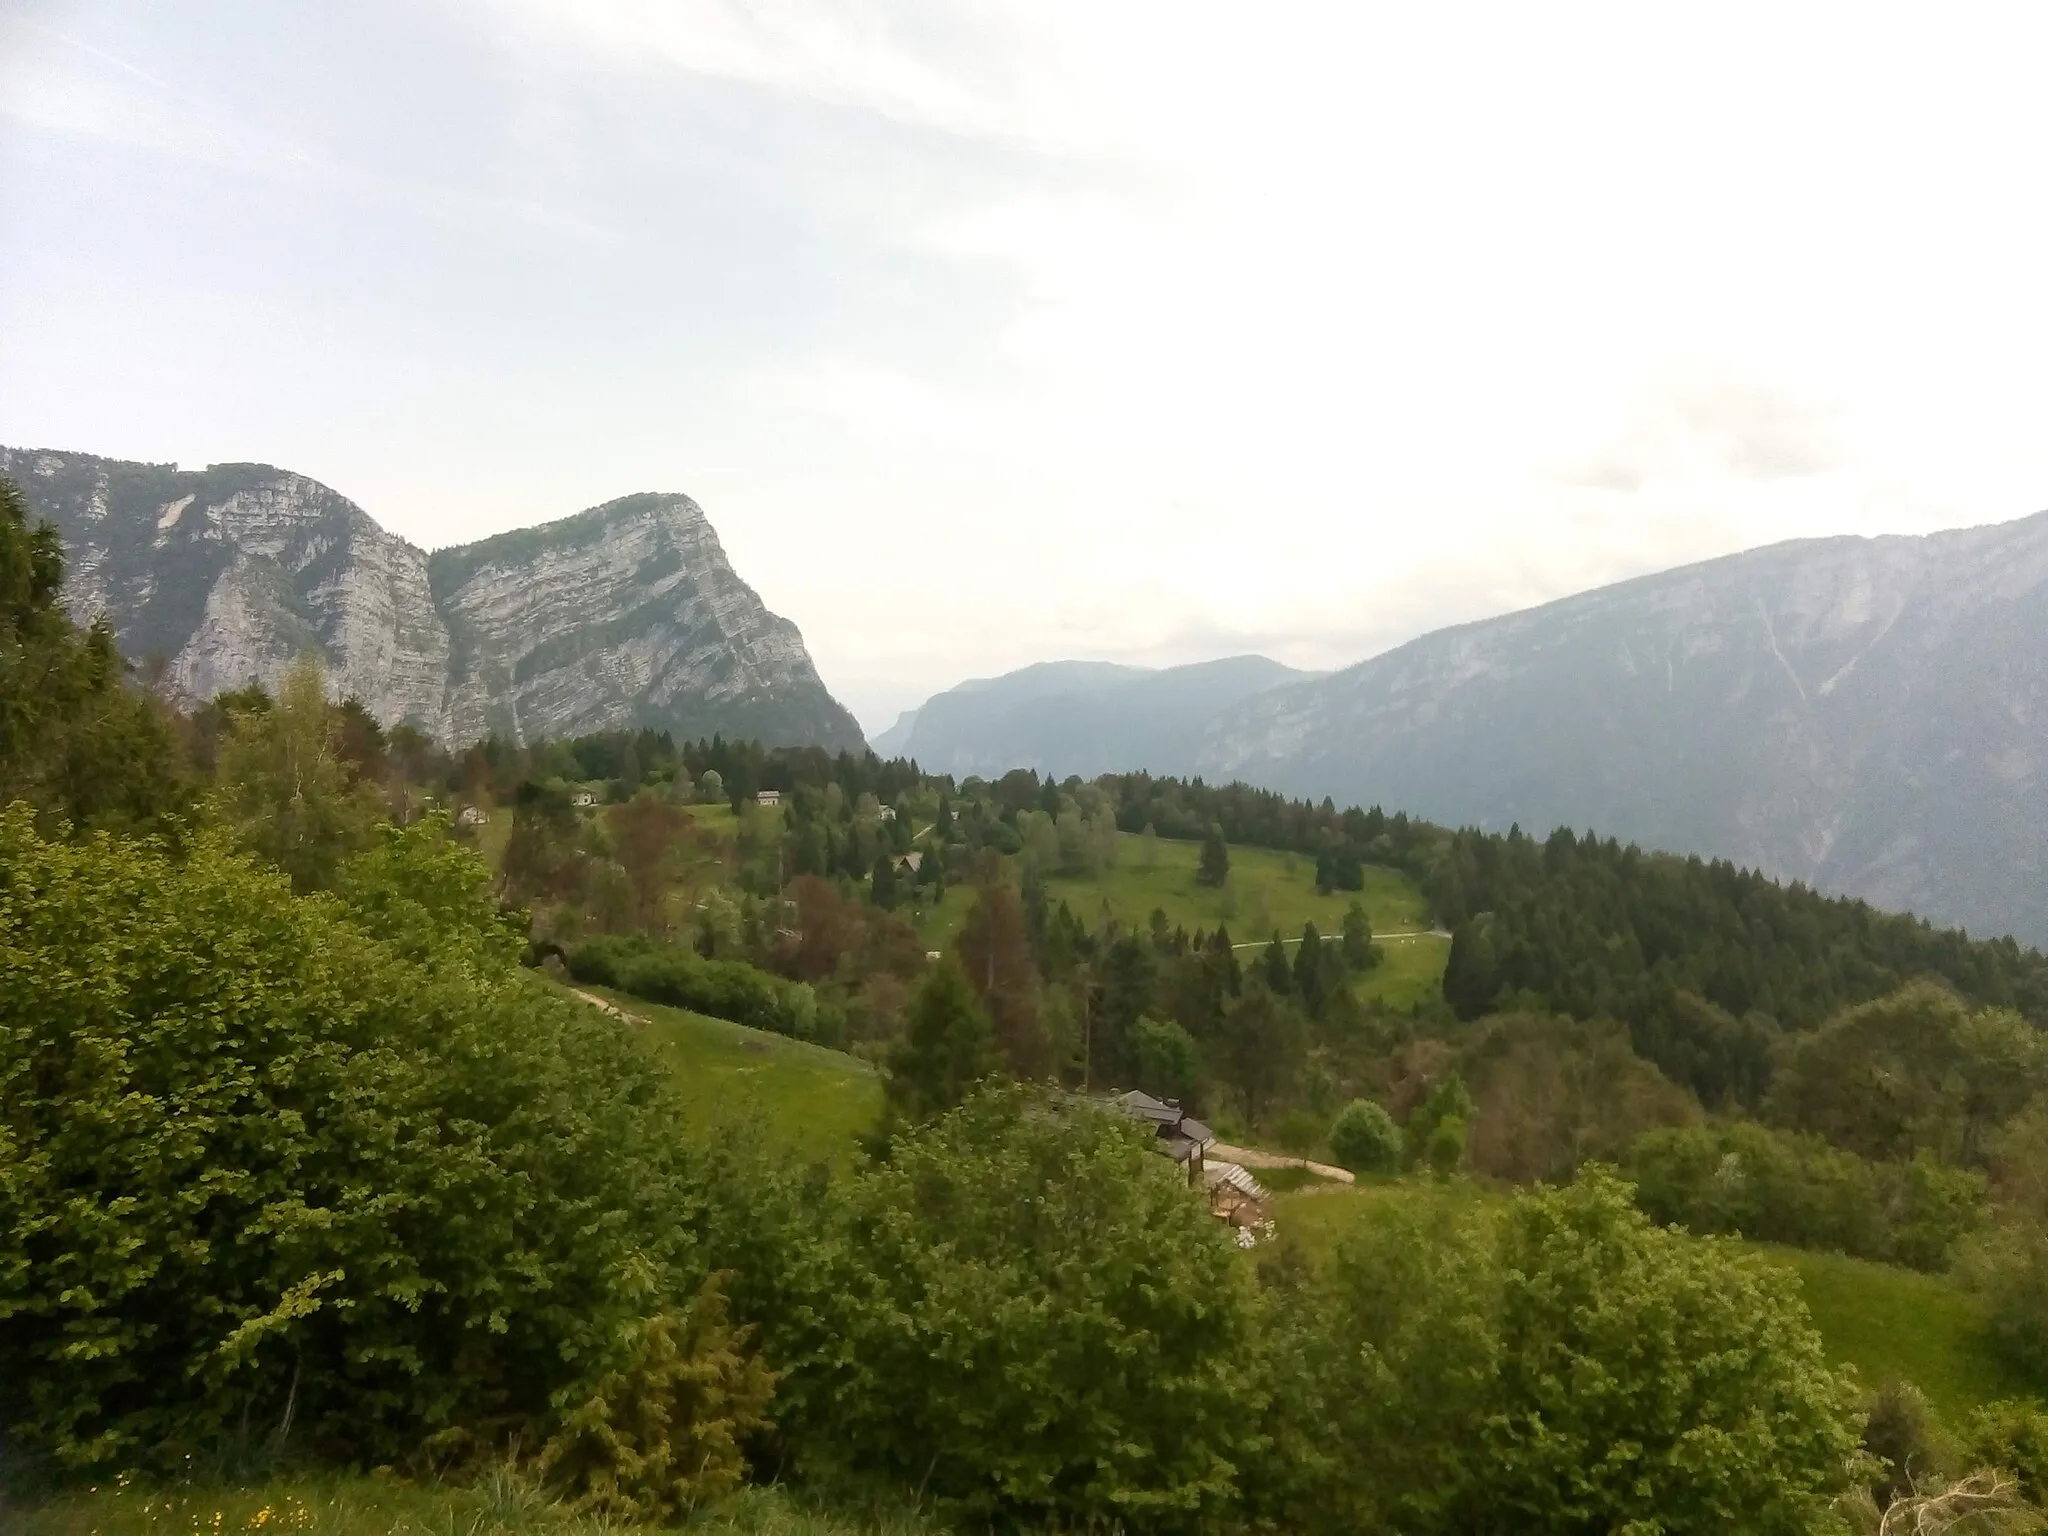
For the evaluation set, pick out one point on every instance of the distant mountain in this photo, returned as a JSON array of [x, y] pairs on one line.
[[1866, 715], [1078, 717], [626, 615]]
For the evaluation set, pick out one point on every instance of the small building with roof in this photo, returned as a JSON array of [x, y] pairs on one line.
[[1180, 1135]]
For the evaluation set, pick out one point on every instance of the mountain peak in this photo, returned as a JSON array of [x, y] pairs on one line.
[[627, 614]]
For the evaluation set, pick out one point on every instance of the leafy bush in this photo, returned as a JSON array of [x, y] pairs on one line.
[[2009, 1266], [2013, 1437], [681, 978], [1781, 1187], [260, 1168], [1026, 1315], [1365, 1139], [1565, 1366], [661, 1435]]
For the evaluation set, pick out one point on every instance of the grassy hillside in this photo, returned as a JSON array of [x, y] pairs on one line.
[[1888, 1323], [813, 1101], [1268, 891]]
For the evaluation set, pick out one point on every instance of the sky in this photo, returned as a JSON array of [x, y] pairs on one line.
[[996, 333]]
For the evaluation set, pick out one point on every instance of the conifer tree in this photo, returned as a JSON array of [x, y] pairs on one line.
[[1279, 975], [1308, 969], [1215, 866], [1358, 950], [947, 1046]]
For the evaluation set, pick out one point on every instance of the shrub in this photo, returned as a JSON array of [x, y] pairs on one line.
[[1566, 1366], [2009, 1267], [261, 1168], [1031, 1319], [660, 1435], [1783, 1187], [1365, 1139], [2013, 1437], [681, 978]]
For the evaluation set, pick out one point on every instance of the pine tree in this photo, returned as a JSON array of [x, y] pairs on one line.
[[1279, 975], [1359, 954], [1308, 970], [1215, 866], [883, 892], [947, 1046]]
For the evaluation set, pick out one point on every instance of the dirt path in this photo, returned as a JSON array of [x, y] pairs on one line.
[[1330, 938], [1251, 1157], [611, 1008]]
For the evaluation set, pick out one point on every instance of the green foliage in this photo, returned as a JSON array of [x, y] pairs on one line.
[[1365, 1139], [661, 1435], [1916, 1069], [2008, 1266], [283, 790], [1033, 1321], [1551, 1093], [428, 898], [1357, 948], [680, 977], [265, 1174], [1214, 867], [1567, 1367], [75, 741], [2012, 1436], [1705, 961], [1782, 1187], [947, 1046], [1167, 1060], [1435, 1133]]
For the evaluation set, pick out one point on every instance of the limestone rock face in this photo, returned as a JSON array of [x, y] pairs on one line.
[[628, 614], [1866, 715]]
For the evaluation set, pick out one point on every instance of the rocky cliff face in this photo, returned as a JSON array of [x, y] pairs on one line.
[[628, 614], [1866, 715]]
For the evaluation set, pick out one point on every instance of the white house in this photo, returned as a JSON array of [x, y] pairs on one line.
[[768, 797]]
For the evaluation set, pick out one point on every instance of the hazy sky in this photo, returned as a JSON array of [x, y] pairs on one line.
[[988, 334]]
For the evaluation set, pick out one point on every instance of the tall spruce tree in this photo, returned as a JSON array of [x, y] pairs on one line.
[[1214, 868], [947, 1046]]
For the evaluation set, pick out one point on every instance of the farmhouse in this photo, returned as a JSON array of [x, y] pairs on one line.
[[472, 816], [583, 799], [1180, 1136], [768, 797]]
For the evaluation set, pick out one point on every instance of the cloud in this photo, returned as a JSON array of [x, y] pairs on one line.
[[1716, 425]]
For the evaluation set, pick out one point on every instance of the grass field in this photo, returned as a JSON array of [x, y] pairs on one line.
[[1887, 1323], [1891, 1322], [814, 1101], [498, 1504], [1267, 891], [1411, 970]]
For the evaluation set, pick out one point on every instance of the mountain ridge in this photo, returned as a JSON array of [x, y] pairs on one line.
[[1865, 714], [624, 614], [1078, 717]]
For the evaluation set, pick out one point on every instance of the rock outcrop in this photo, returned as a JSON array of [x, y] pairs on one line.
[[626, 615]]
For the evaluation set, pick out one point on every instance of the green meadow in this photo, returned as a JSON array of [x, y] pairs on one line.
[[813, 1101]]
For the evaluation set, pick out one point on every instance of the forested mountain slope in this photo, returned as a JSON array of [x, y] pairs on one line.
[[628, 614], [1079, 717], [1866, 715]]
